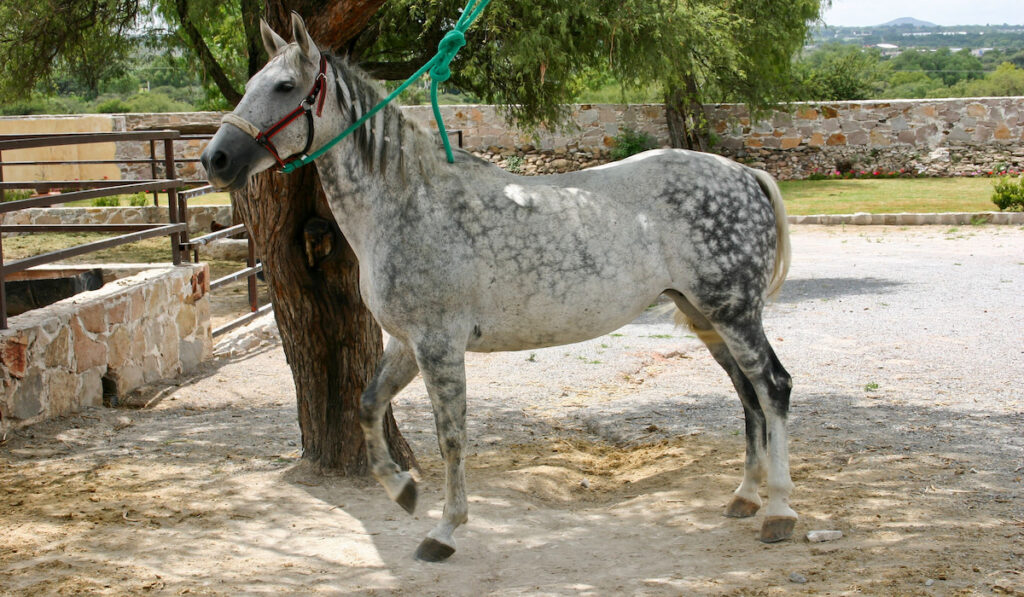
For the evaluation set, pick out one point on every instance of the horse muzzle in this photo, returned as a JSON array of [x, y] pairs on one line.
[[229, 157]]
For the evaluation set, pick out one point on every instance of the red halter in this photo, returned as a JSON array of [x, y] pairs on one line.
[[316, 96]]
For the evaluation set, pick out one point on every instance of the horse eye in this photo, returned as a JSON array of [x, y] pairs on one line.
[[284, 86]]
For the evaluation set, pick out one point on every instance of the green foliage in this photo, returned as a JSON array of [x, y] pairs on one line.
[[846, 72], [17, 194], [514, 164], [80, 41], [113, 106], [839, 72], [138, 200], [106, 202], [1009, 194], [533, 57], [943, 65], [631, 142]]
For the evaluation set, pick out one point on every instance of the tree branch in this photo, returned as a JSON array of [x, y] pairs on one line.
[[251, 12], [210, 64]]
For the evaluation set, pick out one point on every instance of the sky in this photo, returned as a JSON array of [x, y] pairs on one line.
[[859, 13]]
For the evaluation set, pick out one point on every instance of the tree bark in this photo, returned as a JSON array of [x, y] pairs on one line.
[[332, 343], [687, 124], [332, 24]]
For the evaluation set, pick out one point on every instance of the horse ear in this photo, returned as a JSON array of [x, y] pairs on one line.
[[301, 36], [272, 42]]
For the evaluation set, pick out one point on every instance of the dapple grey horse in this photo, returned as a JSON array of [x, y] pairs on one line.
[[467, 257]]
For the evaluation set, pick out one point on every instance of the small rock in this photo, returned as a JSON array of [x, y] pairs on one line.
[[929, 582], [823, 535], [797, 578], [122, 422], [585, 484]]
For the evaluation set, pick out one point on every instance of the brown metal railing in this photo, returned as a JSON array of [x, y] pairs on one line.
[[248, 273], [177, 229], [156, 163]]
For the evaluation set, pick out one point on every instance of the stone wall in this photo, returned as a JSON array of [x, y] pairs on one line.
[[936, 137], [135, 330], [199, 217], [942, 137]]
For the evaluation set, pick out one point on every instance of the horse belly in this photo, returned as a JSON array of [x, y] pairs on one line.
[[528, 321]]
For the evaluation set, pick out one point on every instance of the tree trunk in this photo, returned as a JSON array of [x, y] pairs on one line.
[[687, 124], [331, 341]]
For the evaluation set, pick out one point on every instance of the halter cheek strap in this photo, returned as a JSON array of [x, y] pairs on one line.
[[315, 97]]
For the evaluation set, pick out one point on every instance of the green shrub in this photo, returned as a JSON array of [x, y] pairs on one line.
[[630, 142], [1009, 194], [113, 106], [17, 194], [138, 200], [106, 202], [514, 164]]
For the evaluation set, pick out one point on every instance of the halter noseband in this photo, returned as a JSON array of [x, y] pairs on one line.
[[316, 96]]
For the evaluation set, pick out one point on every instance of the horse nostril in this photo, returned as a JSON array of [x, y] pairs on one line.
[[220, 160]]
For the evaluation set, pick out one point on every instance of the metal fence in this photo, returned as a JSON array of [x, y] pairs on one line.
[[177, 206]]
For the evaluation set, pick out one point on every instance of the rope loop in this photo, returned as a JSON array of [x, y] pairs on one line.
[[446, 50]]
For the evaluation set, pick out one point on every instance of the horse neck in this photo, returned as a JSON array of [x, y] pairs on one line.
[[372, 173]]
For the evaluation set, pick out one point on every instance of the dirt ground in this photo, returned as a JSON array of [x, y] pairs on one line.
[[595, 469]]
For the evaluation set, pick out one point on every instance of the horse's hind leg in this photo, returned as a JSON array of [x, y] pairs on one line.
[[397, 369], [444, 373], [747, 349], [772, 384], [746, 501]]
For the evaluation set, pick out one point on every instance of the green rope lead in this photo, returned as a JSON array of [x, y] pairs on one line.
[[439, 72]]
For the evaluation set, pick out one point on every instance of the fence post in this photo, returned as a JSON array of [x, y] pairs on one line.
[[250, 261], [3, 287], [152, 170], [175, 210]]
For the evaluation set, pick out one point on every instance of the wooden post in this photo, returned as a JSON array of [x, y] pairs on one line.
[[152, 170], [174, 209]]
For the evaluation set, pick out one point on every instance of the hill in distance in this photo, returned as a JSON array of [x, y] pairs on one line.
[[907, 21]]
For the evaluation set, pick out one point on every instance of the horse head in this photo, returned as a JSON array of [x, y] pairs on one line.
[[281, 114]]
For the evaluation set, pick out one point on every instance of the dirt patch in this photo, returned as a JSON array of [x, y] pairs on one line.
[[596, 469]]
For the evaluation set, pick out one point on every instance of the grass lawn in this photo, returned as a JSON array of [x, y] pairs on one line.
[[209, 199], [806, 197], [887, 195]]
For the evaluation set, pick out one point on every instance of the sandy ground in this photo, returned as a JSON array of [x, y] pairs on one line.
[[907, 352]]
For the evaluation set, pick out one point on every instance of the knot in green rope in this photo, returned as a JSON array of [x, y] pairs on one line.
[[446, 50]]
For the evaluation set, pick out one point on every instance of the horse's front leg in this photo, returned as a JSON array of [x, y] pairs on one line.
[[443, 365], [397, 369]]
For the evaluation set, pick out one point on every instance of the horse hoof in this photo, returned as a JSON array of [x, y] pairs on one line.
[[432, 550], [741, 508], [407, 498], [777, 528]]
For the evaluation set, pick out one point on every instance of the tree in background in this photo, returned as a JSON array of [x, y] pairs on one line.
[[943, 65], [837, 72]]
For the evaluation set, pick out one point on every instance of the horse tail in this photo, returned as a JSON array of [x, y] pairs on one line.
[[783, 251]]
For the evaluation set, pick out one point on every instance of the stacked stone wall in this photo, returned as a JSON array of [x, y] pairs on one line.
[[107, 342], [200, 217], [934, 137], [942, 137]]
